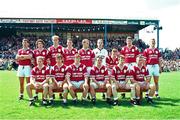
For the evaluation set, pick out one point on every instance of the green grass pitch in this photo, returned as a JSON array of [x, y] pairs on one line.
[[168, 107]]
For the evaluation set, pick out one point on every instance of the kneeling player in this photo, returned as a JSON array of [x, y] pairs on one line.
[[120, 80], [38, 80], [141, 75], [77, 78], [99, 79], [58, 73]]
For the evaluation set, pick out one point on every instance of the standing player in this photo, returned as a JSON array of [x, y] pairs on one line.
[[40, 51], [39, 78], [100, 51], [87, 55], [54, 49], [141, 76], [130, 52], [69, 53], [112, 60], [23, 57], [99, 79], [153, 62], [58, 73], [120, 78], [77, 78]]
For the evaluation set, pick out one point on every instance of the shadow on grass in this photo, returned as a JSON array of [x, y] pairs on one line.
[[168, 101]]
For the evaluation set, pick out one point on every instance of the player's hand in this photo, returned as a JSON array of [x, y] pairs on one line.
[[37, 85], [60, 85]]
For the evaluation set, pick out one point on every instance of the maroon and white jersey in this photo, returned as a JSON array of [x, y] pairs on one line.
[[52, 53], [59, 72], [40, 74], [152, 56], [99, 74], [140, 73], [69, 56], [110, 62], [87, 57], [25, 52], [119, 73], [77, 73], [43, 53], [130, 53]]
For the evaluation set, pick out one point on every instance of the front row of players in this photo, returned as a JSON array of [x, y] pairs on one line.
[[76, 76]]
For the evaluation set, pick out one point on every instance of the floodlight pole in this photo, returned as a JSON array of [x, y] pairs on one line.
[[52, 30], [158, 34], [105, 35]]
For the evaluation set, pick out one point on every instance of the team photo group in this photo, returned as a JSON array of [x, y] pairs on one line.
[[69, 69]]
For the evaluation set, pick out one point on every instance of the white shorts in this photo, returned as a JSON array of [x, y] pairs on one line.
[[153, 70], [89, 70], [95, 86], [131, 65], [144, 85], [123, 85], [24, 71], [77, 84]]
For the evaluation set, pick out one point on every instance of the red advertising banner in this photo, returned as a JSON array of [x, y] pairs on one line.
[[64, 21]]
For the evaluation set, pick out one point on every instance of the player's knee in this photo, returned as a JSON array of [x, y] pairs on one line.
[[108, 86], [45, 86], [86, 86], [152, 86], [65, 86], [28, 85]]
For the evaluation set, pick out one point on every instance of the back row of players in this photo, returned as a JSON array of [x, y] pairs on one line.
[[69, 68]]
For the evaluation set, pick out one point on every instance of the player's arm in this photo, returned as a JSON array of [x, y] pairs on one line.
[[26, 56], [160, 64], [19, 57], [68, 79], [32, 80], [147, 79]]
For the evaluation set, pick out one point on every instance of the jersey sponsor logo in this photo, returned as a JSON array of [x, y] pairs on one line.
[[132, 50], [43, 71]]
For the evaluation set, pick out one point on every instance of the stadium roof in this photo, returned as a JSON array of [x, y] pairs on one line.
[[80, 24]]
